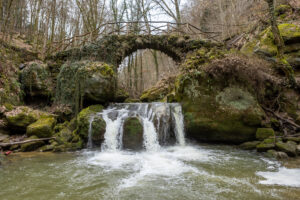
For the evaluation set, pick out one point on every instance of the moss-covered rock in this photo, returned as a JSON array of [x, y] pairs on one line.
[[42, 128], [264, 133], [159, 91], [31, 146], [230, 115], [19, 118], [266, 145], [264, 43], [288, 147], [36, 80], [282, 9], [133, 134], [277, 154], [98, 124], [121, 95], [249, 145], [85, 82]]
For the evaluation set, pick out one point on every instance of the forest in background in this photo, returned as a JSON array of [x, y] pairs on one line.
[[48, 25]]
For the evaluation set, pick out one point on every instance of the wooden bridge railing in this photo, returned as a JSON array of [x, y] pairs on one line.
[[133, 28]]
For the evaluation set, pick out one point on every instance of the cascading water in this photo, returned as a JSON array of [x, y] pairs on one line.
[[161, 122], [178, 171]]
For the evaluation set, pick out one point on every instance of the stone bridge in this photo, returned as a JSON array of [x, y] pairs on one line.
[[112, 49]]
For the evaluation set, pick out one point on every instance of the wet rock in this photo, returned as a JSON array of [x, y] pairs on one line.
[[266, 145], [98, 125], [133, 134], [249, 145], [36, 80], [294, 139], [264, 133], [31, 146], [288, 147], [42, 128], [277, 154]]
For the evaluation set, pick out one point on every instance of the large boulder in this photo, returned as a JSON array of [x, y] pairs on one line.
[[86, 82], [133, 134], [230, 115], [36, 80], [19, 118], [98, 125], [42, 128]]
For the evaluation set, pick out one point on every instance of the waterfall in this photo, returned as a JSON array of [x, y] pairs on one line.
[[161, 123], [90, 141], [179, 124]]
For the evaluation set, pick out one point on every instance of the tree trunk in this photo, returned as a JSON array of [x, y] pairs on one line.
[[284, 65]]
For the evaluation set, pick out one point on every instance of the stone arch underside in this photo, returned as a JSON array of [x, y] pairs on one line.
[[113, 49]]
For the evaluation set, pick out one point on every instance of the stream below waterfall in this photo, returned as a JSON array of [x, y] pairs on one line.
[[173, 170]]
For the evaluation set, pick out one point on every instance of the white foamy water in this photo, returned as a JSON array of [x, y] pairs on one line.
[[161, 123], [284, 176], [219, 171]]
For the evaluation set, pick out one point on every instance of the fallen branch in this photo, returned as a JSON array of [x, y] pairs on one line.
[[24, 142], [279, 117]]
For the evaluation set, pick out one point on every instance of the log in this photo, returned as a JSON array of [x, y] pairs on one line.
[[24, 142]]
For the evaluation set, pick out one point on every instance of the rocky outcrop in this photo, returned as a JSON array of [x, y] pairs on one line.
[[85, 82], [42, 128], [133, 134], [36, 80], [230, 115], [98, 124], [264, 44], [20, 117]]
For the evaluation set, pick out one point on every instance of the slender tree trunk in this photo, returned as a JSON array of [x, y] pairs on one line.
[[285, 66]]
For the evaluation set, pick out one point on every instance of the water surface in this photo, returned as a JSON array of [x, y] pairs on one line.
[[177, 172]]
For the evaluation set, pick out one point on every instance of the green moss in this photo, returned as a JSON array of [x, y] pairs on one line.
[[266, 145], [282, 10], [98, 125], [31, 146], [21, 117], [133, 134], [249, 145], [42, 128], [36, 79], [288, 147], [289, 32], [263, 133], [84, 80]]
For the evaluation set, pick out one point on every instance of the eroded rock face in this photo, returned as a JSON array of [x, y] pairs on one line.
[[230, 115], [133, 134], [36, 80], [87, 82]]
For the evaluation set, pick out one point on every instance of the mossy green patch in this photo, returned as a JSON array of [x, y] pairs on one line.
[[264, 133], [42, 128]]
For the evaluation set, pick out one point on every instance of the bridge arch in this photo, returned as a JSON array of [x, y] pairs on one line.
[[112, 49]]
